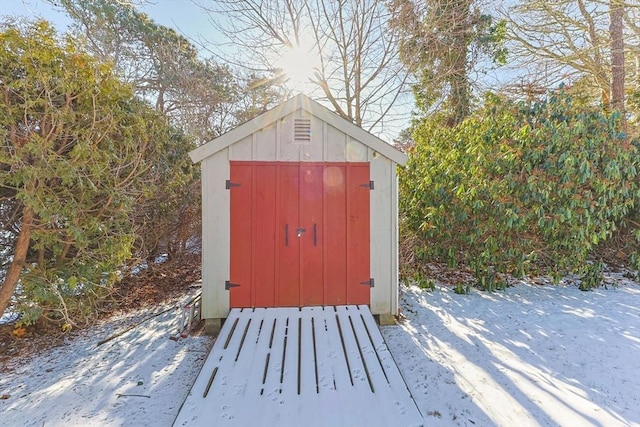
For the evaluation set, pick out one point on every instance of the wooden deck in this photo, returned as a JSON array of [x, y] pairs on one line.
[[290, 367]]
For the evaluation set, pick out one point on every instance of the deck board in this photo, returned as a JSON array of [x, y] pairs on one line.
[[313, 366]]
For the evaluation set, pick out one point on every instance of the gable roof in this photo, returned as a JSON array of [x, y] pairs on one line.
[[288, 107]]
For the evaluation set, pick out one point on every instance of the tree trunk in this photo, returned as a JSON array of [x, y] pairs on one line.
[[460, 96], [616, 26], [19, 257]]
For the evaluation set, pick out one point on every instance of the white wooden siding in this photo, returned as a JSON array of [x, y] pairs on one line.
[[264, 144], [273, 141], [216, 211], [383, 245], [314, 151], [302, 106], [241, 150], [395, 237]]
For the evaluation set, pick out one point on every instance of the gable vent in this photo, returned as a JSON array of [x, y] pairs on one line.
[[302, 131]]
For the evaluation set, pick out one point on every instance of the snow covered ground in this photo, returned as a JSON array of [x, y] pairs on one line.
[[138, 379], [528, 356]]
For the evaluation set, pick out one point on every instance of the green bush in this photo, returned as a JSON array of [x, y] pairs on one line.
[[85, 166], [518, 188]]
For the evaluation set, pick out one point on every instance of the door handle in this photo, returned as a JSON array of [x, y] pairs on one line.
[[300, 231], [286, 234], [315, 234]]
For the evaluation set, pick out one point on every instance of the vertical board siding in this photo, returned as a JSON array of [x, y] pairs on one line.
[[276, 143], [215, 235], [299, 234], [313, 151], [241, 242], [358, 230], [264, 144], [242, 149], [356, 151], [264, 230], [312, 254], [288, 151], [288, 279], [336, 145], [394, 260], [329, 146], [382, 235], [335, 219]]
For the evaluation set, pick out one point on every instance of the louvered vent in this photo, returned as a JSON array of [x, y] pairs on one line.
[[302, 131]]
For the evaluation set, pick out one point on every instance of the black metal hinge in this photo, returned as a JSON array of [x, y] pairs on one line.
[[228, 285], [369, 282], [228, 184], [368, 185]]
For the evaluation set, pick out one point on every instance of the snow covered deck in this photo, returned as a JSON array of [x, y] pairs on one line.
[[314, 366]]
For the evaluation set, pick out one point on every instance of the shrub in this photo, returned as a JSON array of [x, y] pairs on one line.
[[518, 188], [84, 166]]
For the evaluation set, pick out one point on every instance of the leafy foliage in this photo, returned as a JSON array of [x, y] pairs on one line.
[[200, 96], [518, 188], [443, 42], [461, 289], [80, 154]]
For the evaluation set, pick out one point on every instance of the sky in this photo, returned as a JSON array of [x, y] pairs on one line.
[[183, 15], [190, 20], [186, 17]]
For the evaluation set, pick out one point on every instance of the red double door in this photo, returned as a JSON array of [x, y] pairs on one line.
[[299, 234]]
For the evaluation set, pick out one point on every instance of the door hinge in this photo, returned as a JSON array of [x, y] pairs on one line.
[[228, 184], [228, 285], [369, 283], [368, 185]]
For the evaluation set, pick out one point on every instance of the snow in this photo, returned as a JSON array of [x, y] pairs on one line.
[[138, 379], [527, 356], [8, 317]]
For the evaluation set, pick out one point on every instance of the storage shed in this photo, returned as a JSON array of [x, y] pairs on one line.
[[299, 208]]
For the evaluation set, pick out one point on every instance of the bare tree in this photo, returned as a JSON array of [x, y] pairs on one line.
[[616, 30], [358, 71], [165, 68], [443, 42], [577, 41]]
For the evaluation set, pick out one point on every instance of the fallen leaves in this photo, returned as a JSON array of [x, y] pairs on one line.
[[149, 288], [20, 332]]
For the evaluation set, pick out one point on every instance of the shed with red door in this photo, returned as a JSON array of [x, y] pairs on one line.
[[299, 208]]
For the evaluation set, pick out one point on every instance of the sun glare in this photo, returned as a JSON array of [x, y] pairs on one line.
[[298, 65]]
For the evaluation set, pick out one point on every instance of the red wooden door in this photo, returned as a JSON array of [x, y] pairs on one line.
[[299, 234], [311, 251], [358, 235], [288, 244]]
